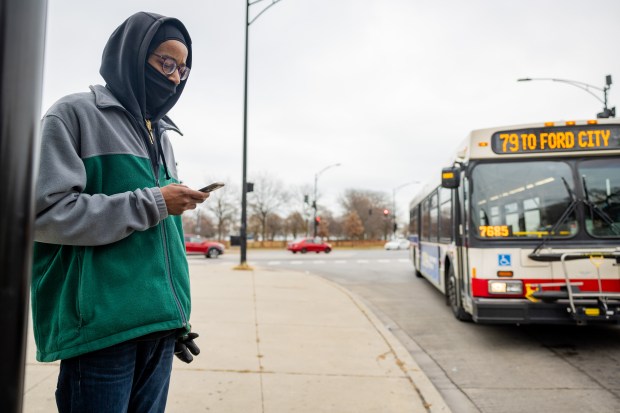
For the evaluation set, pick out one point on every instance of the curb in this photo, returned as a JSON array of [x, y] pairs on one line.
[[432, 399]]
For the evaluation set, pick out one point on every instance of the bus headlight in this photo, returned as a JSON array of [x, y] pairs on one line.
[[512, 287]]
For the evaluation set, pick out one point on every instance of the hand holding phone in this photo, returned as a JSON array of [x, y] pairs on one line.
[[212, 187]]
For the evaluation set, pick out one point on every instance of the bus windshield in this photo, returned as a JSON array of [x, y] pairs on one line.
[[601, 182], [523, 200]]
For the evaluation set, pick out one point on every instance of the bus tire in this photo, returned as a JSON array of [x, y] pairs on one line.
[[452, 299]]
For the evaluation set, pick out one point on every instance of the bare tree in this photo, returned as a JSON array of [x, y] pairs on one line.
[[327, 224], [336, 227], [275, 226], [301, 198], [198, 222], [352, 226], [254, 227], [224, 205], [269, 197], [295, 224], [323, 228], [369, 206]]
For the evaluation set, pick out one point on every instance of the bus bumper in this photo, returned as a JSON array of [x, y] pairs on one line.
[[522, 311]]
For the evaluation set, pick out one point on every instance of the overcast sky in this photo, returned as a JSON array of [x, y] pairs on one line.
[[387, 88]]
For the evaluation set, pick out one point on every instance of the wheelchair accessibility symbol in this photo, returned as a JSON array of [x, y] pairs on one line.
[[504, 260]]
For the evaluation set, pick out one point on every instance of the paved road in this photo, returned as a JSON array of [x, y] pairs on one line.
[[477, 368]]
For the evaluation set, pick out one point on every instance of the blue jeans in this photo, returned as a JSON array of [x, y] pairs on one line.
[[128, 377]]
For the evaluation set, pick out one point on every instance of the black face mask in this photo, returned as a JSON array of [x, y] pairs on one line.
[[158, 90]]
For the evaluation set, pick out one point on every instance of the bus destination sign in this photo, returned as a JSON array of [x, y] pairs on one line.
[[557, 139]]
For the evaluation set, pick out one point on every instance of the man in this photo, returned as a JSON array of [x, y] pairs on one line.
[[110, 287]]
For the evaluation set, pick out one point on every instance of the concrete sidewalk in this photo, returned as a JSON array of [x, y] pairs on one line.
[[275, 342]]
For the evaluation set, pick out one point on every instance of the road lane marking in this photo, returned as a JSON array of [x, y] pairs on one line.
[[330, 262]]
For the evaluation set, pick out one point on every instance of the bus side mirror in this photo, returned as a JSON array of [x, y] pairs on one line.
[[450, 177]]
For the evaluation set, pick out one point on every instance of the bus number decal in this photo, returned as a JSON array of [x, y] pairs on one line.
[[493, 231]]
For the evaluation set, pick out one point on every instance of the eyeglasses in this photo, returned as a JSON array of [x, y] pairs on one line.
[[169, 65]]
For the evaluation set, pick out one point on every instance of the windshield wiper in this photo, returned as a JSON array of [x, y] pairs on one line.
[[569, 209], [595, 208]]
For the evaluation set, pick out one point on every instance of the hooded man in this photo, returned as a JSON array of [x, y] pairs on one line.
[[110, 285]]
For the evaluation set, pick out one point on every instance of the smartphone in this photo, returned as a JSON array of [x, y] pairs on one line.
[[212, 187]]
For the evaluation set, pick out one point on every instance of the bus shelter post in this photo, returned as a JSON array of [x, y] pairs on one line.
[[21, 72]]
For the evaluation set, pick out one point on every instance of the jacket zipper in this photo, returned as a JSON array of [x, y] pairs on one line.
[[169, 271], [164, 235], [149, 129]]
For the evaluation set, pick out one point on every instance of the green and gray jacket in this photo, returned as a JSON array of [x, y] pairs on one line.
[[109, 263]]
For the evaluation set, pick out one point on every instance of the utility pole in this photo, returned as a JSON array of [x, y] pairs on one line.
[[316, 179], [244, 181]]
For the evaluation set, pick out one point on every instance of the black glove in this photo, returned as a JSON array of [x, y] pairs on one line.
[[186, 345]]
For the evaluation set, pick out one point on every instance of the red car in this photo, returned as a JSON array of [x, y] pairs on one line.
[[195, 244], [304, 245]]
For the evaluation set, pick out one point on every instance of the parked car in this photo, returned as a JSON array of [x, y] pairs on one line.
[[195, 244], [397, 244], [304, 245]]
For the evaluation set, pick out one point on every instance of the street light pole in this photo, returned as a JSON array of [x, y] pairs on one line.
[[244, 182], [394, 202], [316, 179], [22, 46], [606, 113]]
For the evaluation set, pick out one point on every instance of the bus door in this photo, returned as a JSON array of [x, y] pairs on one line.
[[463, 235]]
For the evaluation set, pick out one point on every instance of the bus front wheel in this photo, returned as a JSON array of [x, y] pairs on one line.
[[453, 302]]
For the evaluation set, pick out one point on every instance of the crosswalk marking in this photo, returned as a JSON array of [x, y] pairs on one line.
[[309, 261], [328, 262]]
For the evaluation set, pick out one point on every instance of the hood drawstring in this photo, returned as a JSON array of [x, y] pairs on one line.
[[161, 153]]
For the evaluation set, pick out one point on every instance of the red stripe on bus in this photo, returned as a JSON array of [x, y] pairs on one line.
[[480, 287]]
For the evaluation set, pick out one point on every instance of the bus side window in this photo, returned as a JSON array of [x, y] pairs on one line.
[[445, 212], [434, 212], [413, 222], [426, 221]]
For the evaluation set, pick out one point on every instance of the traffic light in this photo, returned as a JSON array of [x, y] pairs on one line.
[[607, 113], [386, 212], [317, 221]]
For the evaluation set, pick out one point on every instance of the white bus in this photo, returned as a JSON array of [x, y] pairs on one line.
[[524, 227]]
